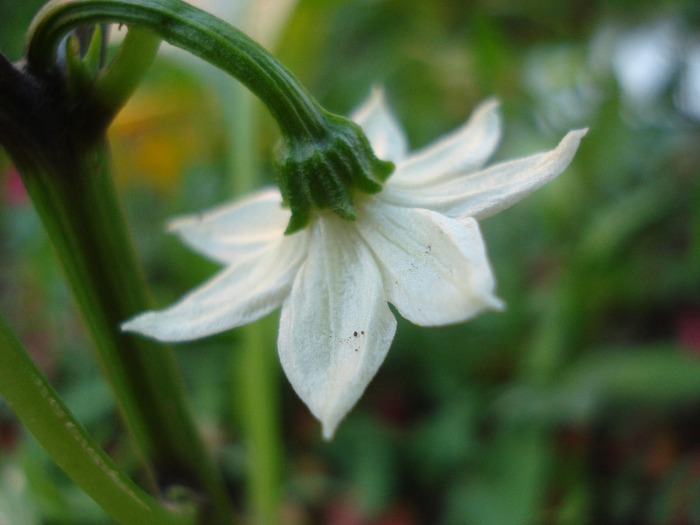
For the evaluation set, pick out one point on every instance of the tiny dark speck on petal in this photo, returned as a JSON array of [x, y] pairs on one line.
[[355, 334], [363, 332]]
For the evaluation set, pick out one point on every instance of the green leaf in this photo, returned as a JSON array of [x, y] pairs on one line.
[[655, 375]]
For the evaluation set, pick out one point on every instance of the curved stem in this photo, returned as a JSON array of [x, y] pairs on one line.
[[37, 405], [324, 157], [297, 113]]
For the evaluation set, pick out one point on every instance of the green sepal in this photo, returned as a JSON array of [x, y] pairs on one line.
[[326, 172]]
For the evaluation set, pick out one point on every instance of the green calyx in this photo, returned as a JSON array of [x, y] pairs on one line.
[[325, 173]]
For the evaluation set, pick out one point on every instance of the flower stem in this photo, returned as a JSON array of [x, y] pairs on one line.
[[37, 405], [199, 32], [323, 159]]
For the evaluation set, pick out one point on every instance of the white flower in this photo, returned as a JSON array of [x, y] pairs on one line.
[[416, 245]]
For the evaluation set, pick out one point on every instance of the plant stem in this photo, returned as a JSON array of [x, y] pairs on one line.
[[255, 371], [66, 168], [116, 83], [37, 405], [183, 25], [85, 223], [323, 159], [257, 380]]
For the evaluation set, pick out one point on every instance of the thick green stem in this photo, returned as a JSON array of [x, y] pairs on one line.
[[37, 405], [183, 25], [85, 224], [66, 168]]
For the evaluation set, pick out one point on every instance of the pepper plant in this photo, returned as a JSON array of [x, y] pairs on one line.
[[355, 223]]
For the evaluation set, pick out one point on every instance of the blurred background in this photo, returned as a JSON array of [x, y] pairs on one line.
[[580, 403]]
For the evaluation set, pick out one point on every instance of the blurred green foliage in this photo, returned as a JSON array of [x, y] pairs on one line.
[[578, 404]]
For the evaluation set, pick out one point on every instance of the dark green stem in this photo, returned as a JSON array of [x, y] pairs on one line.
[[37, 405], [66, 168]]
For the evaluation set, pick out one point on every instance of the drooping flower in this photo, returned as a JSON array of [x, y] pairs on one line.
[[416, 245]]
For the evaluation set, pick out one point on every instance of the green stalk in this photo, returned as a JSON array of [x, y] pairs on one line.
[[185, 26], [118, 81], [37, 405], [86, 226], [66, 167], [257, 378], [323, 159], [255, 371]]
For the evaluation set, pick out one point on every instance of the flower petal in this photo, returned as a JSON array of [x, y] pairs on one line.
[[227, 232], [248, 289], [435, 268], [484, 193], [465, 149], [336, 327], [381, 127]]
